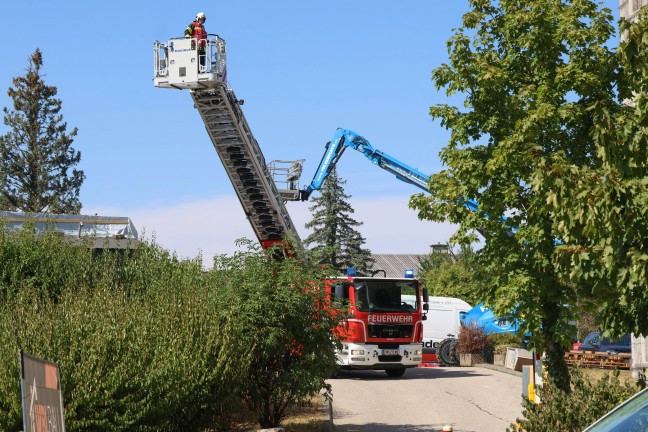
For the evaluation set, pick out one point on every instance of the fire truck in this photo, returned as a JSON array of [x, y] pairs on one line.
[[381, 327]]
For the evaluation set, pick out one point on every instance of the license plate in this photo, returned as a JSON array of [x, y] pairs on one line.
[[390, 352]]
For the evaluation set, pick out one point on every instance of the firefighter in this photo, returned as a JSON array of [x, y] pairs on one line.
[[196, 30]]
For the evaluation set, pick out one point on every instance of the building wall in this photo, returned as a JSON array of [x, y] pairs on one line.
[[628, 9]]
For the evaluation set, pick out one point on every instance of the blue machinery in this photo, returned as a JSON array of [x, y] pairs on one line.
[[345, 138]]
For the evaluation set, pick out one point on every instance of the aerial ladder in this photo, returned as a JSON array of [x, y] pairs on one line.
[[178, 66]]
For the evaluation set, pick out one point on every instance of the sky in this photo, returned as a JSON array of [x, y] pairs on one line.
[[303, 69]]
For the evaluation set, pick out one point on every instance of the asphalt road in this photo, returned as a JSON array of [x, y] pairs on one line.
[[471, 399]]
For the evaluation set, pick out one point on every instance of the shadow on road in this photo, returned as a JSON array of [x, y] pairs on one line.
[[381, 427], [412, 374]]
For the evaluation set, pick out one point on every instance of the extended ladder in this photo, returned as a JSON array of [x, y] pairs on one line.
[[244, 163], [177, 65]]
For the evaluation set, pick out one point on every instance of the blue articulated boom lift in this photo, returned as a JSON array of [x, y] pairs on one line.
[[344, 139]]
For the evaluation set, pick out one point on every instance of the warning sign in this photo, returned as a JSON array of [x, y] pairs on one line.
[[42, 401]]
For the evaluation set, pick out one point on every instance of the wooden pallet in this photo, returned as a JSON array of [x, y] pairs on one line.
[[592, 359]]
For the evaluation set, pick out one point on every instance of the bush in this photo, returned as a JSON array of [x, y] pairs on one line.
[[574, 411], [280, 340], [472, 339], [148, 342], [501, 341]]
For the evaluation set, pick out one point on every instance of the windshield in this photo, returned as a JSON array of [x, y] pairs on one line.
[[630, 416], [386, 295]]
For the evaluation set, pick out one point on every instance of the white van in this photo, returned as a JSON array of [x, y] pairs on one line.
[[443, 322]]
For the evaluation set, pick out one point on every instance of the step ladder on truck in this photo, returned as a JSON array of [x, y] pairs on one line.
[[381, 330]]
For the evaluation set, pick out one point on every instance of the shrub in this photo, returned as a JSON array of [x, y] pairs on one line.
[[501, 341], [574, 411], [148, 342], [280, 340], [472, 339]]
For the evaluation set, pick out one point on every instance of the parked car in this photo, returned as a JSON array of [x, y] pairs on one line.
[[631, 415], [594, 342]]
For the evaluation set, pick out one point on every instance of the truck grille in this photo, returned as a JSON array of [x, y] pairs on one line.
[[390, 331]]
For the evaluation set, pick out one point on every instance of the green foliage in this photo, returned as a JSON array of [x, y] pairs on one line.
[[336, 241], [448, 277], [472, 339], [147, 342], [36, 156], [501, 341], [601, 208], [529, 74], [573, 411], [275, 324]]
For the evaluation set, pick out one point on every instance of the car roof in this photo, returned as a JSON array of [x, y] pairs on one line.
[[621, 418]]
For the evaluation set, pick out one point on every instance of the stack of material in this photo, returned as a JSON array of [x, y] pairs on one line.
[[592, 359]]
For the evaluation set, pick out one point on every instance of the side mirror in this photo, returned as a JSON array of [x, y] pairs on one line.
[[339, 291], [426, 297], [426, 307]]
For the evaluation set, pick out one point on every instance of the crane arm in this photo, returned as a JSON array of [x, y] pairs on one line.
[[344, 138]]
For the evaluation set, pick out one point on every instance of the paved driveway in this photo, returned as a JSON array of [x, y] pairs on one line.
[[475, 399]]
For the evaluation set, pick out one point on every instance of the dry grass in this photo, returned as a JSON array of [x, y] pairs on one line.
[[595, 374], [307, 417]]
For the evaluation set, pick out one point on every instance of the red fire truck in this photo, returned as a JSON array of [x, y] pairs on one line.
[[381, 325]]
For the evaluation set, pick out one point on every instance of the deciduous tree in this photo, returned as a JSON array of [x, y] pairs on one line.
[[529, 74], [37, 160], [600, 209], [446, 276]]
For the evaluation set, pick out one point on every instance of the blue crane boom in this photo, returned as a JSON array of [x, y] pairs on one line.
[[345, 138]]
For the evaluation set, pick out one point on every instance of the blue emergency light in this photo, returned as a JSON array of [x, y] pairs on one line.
[[351, 271], [409, 273]]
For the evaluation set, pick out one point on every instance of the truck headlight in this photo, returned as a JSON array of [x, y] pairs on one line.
[[357, 352]]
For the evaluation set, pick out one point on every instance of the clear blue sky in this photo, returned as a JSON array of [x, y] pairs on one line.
[[303, 69]]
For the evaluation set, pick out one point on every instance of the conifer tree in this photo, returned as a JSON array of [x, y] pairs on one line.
[[36, 156], [335, 238]]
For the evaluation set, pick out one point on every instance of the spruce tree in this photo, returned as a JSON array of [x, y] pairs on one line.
[[336, 241], [36, 156]]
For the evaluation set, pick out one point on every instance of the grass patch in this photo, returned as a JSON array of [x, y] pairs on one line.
[[306, 417]]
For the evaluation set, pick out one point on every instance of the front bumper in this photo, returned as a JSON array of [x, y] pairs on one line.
[[372, 356]]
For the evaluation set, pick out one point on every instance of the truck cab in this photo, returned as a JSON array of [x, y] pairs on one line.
[[381, 327]]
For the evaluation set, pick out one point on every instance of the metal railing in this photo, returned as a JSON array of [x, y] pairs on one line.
[[215, 55]]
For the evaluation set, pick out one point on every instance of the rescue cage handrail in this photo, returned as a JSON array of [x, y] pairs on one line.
[[214, 54]]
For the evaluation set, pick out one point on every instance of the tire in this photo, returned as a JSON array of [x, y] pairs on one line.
[[395, 373], [335, 372], [446, 353]]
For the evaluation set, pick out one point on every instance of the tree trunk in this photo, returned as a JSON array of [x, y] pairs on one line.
[[555, 364]]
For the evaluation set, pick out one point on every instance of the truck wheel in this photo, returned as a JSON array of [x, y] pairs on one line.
[[446, 352], [395, 373], [335, 372]]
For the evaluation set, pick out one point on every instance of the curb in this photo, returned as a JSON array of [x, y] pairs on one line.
[[499, 369]]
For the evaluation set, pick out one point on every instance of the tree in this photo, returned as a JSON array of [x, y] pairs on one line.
[[36, 155], [528, 73], [448, 277], [337, 242], [275, 323], [601, 209]]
